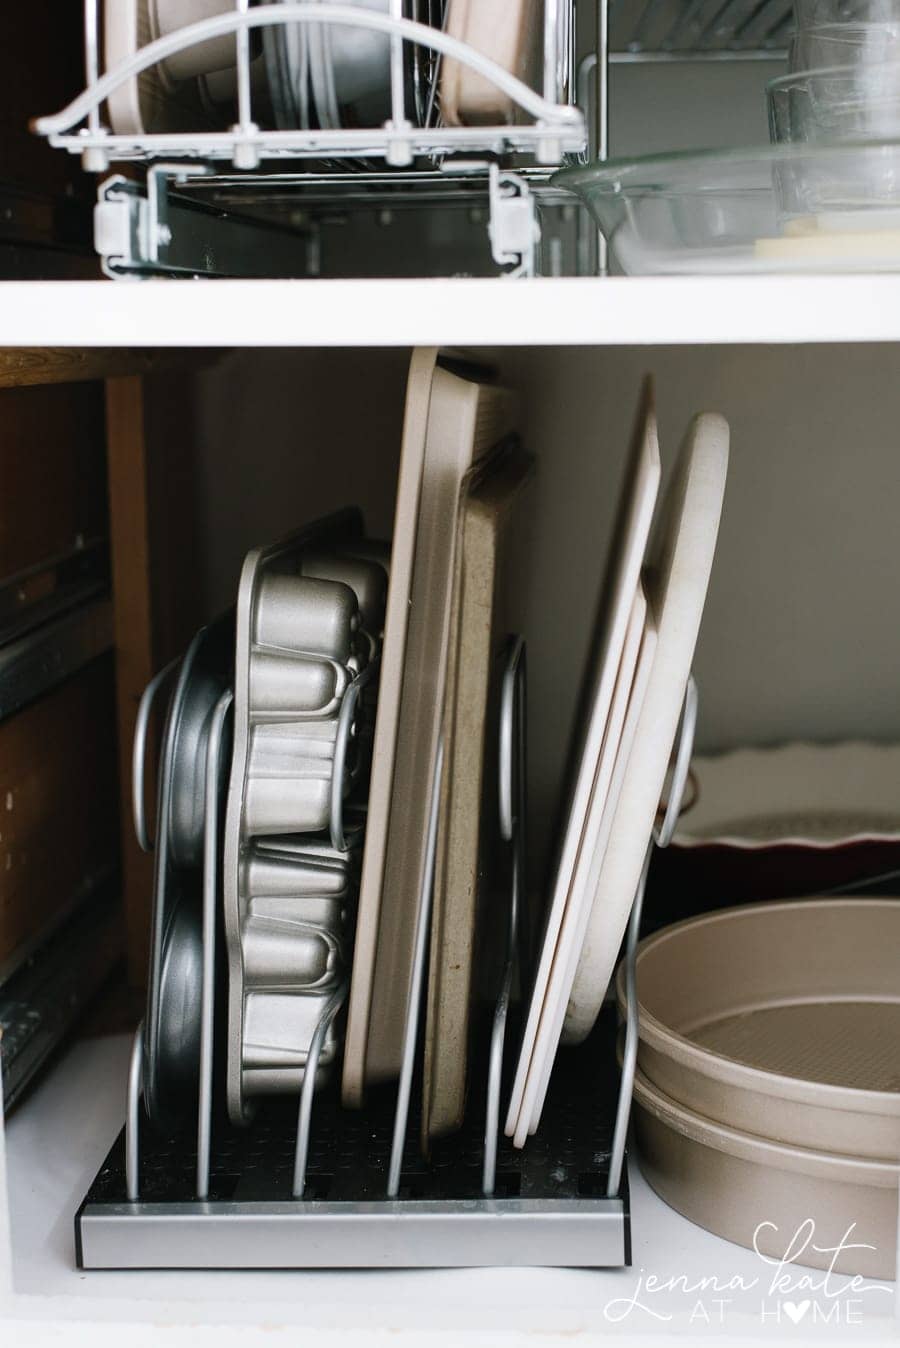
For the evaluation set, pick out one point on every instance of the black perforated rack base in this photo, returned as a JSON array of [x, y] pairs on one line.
[[550, 1205]]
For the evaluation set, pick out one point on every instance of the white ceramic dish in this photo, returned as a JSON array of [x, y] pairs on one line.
[[153, 102], [632, 531], [203, 58], [350, 70], [794, 795], [677, 581]]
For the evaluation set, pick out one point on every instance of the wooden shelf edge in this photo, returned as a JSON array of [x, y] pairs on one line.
[[22, 367]]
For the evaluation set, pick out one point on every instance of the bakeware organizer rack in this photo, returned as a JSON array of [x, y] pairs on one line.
[[159, 228], [319, 1186]]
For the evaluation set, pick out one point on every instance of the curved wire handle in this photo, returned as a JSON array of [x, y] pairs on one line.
[[541, 109], [662, 837], [132, 1117], [414, 1001], [307, 1090], [512, 786], [139, 755], [339, 766], [510, 696], [682, 765]]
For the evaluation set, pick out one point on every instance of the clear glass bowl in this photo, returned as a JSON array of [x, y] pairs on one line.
[[837, 44], [843, 103], [774, 209]]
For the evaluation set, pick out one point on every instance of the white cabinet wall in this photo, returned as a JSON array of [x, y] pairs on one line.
[[801, 635]]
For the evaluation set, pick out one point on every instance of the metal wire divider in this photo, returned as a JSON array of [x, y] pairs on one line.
[[210, 902], [513, 793], [592, 96], [341, 745], [662, 837], [512, 805], [512, 815]]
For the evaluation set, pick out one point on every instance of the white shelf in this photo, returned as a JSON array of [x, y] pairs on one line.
[[461, 312], [56, 1141]]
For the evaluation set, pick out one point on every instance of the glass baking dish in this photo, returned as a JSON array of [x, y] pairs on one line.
[[787, 208]]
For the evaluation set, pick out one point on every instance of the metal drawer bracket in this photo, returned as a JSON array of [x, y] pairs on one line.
[[147, 229], [514, 230], [150, 229]]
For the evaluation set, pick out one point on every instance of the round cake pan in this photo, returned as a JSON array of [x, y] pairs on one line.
[[786, 1202], [780, 1020]]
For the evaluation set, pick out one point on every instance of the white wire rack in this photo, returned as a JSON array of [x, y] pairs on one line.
[[208, 191], [548, 130]]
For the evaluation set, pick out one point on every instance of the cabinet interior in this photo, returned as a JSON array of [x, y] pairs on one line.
[[797, 642], [788, 644]]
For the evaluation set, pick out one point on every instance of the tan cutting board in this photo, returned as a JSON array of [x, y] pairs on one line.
[[409, 486], [477, 636], [466, 420]]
